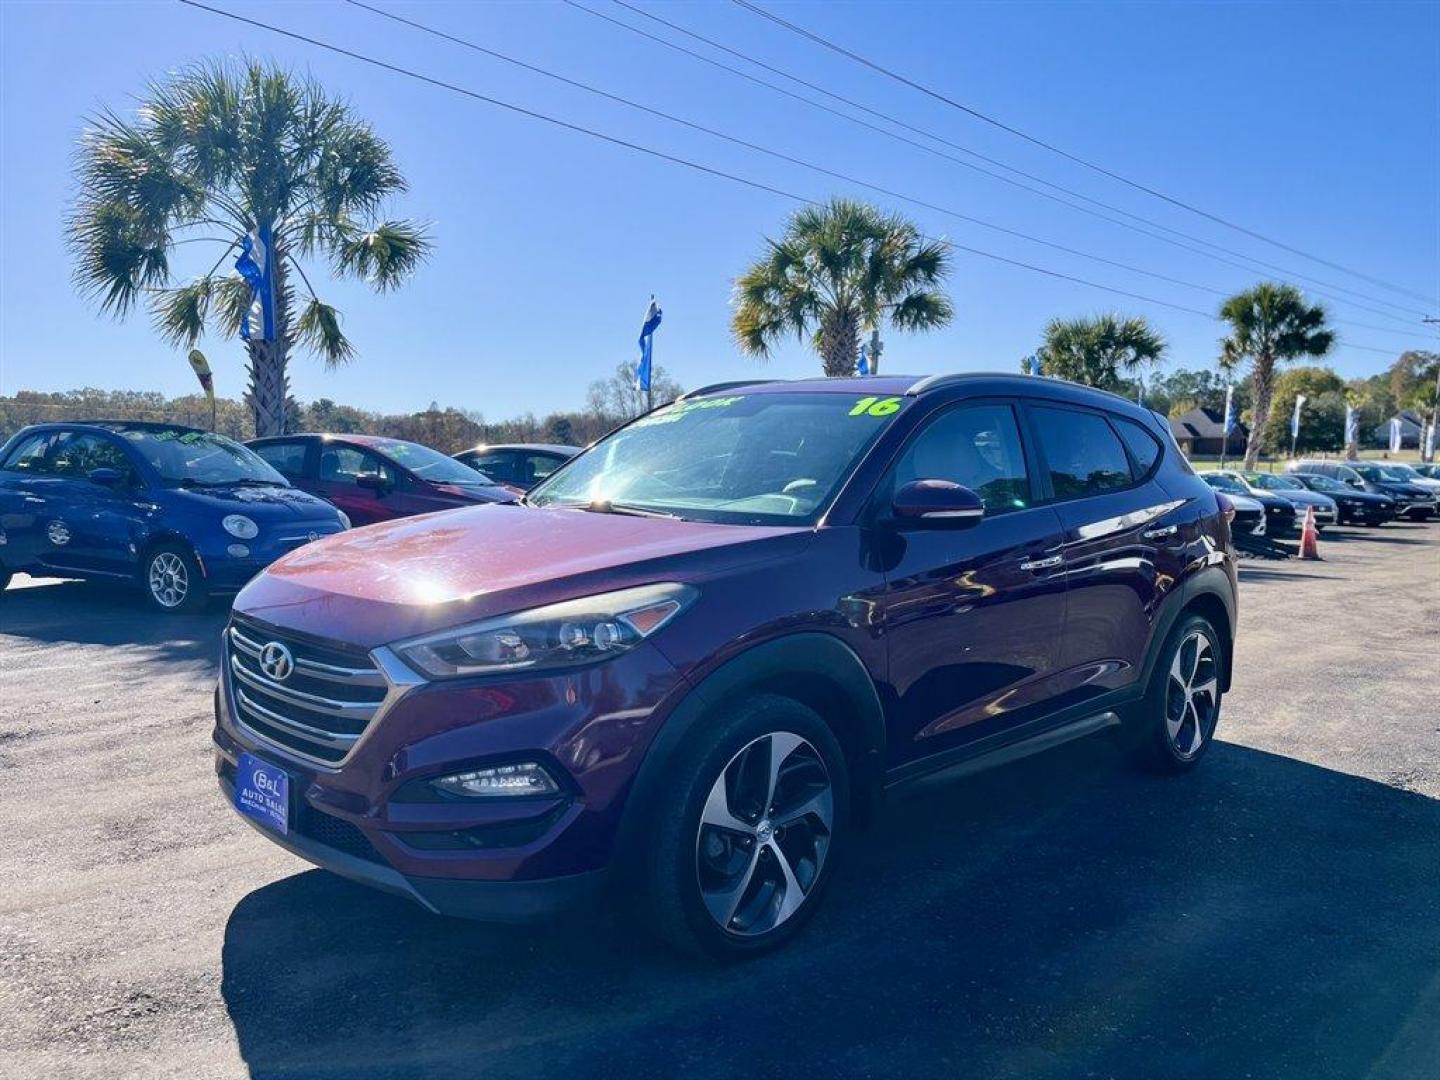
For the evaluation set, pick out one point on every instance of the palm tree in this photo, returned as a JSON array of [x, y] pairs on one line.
[[1270, 323], [841, 268], [1095, 352], [220, 153]]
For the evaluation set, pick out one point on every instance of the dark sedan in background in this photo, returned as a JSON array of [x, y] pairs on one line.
[[377, 479], [520, 465], [1279, 513], [1354, 506]]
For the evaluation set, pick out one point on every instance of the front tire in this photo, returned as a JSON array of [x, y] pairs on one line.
[[171, 579], [746, 836], [1182, 704]]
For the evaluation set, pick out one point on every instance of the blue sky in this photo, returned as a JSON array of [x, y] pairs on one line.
[[1317, 124]]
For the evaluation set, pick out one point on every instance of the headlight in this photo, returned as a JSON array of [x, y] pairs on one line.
[[555, 636], [344, 519], [240, 527]]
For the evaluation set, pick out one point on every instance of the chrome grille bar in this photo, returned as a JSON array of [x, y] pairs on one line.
[[314, 668], [327, 739], [359, 710]]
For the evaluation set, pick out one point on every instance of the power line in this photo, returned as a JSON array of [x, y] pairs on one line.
[[671, 158], [969, 218], [1251, 260], [977, 114]]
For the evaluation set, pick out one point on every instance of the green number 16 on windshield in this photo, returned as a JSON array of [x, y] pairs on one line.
[[876, 406]]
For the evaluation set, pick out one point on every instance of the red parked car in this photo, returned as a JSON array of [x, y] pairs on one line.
[[372, 479]]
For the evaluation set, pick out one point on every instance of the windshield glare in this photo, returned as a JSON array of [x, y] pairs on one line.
[[1325, 483], [1277, 483], [201, 457], [1226, 483], [429, 464], [765, 458]]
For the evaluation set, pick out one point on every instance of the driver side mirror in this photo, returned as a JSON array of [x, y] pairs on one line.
[[940, 502], [374, 481], [106, 477]]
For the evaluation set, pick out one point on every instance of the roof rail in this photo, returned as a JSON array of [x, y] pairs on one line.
[[716, 387], [930, 382]]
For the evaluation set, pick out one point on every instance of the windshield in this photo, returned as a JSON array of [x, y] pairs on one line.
[[1406, 472], [201, 458], [429, 464], [1225, 483], [766, 458], [1325, 483], [1276, 483], [1375, 472]]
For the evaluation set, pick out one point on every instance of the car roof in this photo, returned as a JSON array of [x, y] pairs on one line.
[[115, 426], [980, 382], [341, 437], [552, 448]]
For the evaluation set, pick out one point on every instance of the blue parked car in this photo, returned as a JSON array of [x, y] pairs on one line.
[[183, 513]]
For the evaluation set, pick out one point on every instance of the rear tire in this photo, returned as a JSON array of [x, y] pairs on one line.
[[1181, 707], [742, 846], [171, 580]]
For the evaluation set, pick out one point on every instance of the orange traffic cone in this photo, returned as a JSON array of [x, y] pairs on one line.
[[1310, 536]]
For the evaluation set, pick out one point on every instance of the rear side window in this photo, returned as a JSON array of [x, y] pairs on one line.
[[1144, 448], [976, 446], [288, 459], [342, 464], [1084, 455], [32, 454]]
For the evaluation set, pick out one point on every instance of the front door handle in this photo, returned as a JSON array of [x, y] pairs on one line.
[[1160, 531], [1042, 564]]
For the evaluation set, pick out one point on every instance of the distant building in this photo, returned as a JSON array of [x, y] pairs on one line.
[[1201, 432], [1410, 426]]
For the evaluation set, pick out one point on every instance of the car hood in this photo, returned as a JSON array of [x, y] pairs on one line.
[[1244, 502], [1400, 487], [379, 584], [268, 503]]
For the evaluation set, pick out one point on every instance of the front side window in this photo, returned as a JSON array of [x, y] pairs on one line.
[[340, 464], [82, 454], [199, 458], [761, 458], [975, 446], [1084, 455]]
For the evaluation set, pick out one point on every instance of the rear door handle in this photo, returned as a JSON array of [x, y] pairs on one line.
[[1042, 564], [1160, 531]]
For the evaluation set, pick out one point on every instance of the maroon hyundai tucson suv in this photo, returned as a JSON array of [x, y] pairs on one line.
[[688, 664]]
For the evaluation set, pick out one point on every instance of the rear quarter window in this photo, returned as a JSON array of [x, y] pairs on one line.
[[1144, 448]]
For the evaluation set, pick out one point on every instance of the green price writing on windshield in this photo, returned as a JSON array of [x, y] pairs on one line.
[[876, 406]]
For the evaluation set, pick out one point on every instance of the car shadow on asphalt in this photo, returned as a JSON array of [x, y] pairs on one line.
[[1064, 916], [92, 613]]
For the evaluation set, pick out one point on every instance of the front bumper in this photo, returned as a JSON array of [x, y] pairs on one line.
[[491, 901], [226, 572], [506, 859]]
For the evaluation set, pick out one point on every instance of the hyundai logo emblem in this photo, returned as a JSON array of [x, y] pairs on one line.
[[276, 661]]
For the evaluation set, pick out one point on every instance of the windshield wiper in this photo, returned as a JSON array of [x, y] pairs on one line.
[[604, 506]]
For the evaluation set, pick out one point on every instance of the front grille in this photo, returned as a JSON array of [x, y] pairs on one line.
[[319, 709]]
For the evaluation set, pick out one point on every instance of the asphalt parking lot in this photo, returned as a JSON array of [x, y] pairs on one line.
[[1276, 913]]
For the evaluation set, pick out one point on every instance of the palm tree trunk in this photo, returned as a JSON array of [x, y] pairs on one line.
[[269, 389], [839, 343], [1264, 391]]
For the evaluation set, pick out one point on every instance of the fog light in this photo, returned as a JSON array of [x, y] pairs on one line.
[[521, 778], [237, 551]]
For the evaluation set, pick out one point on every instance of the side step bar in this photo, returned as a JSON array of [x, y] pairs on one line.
[[974, 761]]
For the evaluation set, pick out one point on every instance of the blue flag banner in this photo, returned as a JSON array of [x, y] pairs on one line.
[[647, 337], [1352, 426], [1430, 443], [1229, 409], [256, 266], [864, 359], [1300, 400], [1397, 435], [1140, 391]]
